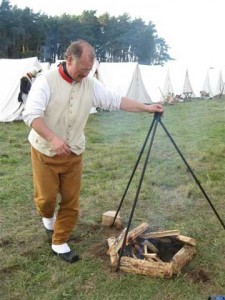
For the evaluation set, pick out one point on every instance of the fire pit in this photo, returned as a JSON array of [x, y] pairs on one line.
[[158, 254]]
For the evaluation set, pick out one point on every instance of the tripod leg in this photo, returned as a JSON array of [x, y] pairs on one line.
[[192, 173], [138, 191], [135, 167]]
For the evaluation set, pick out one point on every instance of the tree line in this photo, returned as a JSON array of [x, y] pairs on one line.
[[25, 33]]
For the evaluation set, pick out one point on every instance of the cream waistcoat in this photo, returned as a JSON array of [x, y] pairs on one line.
[[66, 114]]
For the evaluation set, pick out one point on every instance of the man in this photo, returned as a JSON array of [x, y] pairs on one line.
[[58, 108], [25, 84]]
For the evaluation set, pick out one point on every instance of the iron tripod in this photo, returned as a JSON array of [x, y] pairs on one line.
[[153, 127]]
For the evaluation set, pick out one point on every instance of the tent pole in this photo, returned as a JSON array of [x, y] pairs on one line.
[[135, 167]]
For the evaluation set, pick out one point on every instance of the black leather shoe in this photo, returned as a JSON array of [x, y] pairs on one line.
[[70, 257]]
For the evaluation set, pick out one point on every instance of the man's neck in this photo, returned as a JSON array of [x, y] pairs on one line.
[[65, 70]]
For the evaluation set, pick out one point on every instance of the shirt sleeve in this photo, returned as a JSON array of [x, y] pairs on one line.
[[104, 97], [37, 100]]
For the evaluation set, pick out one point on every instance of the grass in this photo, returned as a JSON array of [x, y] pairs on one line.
[[169, 199]]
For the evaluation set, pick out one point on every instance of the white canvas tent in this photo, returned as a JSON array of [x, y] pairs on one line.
[[168, 87], [178, 81], [154, 78], [45, 66], [214, 84], [206, 88], [165, 82], [197, 76], [220, 86], [183, 80], [187, 88], [124, 79], [11, 72], [56, 63]]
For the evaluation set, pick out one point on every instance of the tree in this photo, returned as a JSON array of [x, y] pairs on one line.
[[161, 52], [6, 29], [115, 39]]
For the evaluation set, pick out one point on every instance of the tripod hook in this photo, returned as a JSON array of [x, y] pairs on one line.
[[157, 115]]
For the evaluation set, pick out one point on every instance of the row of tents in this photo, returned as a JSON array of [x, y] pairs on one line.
[[147, 84]]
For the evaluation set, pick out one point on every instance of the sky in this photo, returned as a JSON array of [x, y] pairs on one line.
[[193, 29]]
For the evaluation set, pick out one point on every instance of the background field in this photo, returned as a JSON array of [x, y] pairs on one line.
[[169, 199]]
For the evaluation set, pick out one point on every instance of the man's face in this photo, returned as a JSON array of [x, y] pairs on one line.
[[79, 69]]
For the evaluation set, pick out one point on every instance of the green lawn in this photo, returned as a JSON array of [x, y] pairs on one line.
[[169, 199]]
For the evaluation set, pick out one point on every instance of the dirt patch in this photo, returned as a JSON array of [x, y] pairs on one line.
[[101, 232], [100, 251], [198, 276], [99, 235], [5, 242]]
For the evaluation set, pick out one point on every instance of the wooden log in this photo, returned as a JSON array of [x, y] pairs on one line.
[[186, 240], [152, 256], [113, 254], [133, 255], [144, 267], [152, 265], [158, 259], [149, 259], [108, 218], [115, 247], [145, 249], [133, 234], [182, 257], [138, 249], [150, 246], [111, 241], [160, 234]]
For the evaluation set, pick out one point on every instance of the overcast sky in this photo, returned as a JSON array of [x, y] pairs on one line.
[[194, 29]]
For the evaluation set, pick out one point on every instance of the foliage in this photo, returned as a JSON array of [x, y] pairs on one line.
[[169, 199], [25, 34]]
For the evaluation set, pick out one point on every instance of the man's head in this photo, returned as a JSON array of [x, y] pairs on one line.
[[80, 57]]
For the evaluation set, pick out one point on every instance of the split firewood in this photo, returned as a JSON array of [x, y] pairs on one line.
[[133, 255], [149, 259], [111, 241], [152, 256], [186, 240], [113, 254], [133, 234], [138, 249], [145, 249], [159, 234], [150, 246], [115, 247], [158, 259], [108, 218]]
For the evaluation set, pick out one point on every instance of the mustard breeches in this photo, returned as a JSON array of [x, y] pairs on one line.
[[52, 176]]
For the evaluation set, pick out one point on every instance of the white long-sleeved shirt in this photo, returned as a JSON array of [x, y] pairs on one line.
[[64, 106], [39, 97]]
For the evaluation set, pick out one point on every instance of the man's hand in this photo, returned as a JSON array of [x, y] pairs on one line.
[[57, 144], [60, 146], [155, 108]]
